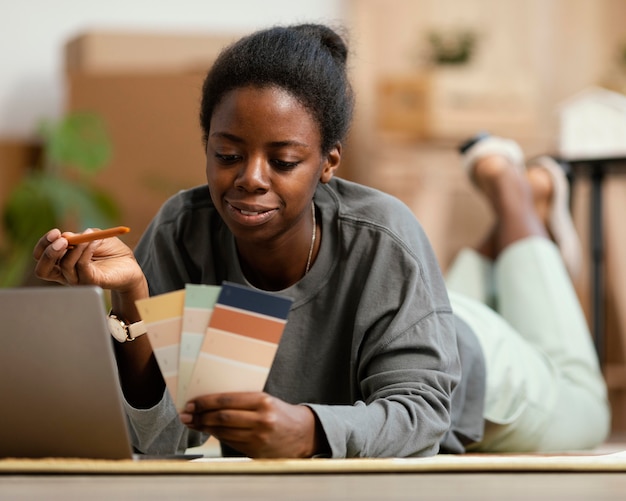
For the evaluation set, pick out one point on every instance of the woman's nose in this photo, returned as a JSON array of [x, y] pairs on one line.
[[254, 175]]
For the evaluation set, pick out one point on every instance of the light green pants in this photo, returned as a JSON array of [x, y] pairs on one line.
[[545, 391]]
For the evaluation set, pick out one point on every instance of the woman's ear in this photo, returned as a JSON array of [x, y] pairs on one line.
[[331, 163]]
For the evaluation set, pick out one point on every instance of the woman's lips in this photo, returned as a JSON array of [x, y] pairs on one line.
[[250, 216]]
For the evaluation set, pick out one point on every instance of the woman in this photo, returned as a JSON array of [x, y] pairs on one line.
[[370, 361]]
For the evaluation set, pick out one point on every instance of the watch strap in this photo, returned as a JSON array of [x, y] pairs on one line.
[[136, 329]]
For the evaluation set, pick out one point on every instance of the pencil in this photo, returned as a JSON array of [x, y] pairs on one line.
[[95, 235]]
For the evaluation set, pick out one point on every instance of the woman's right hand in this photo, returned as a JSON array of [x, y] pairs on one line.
[[108, 263]]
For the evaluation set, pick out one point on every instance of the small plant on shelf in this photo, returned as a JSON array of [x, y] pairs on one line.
[[451, 48]]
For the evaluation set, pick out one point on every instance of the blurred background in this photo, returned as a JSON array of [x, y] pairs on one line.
[[98, 113]]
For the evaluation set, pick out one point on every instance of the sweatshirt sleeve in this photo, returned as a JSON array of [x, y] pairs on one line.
[[406, 387], [158, 430]]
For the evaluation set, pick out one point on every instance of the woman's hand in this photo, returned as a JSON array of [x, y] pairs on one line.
[[255, 424], [108, 263]]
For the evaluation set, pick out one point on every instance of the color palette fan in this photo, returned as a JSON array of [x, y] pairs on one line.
[[209, 339]]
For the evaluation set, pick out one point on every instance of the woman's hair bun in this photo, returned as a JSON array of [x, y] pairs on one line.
[[329, 38]]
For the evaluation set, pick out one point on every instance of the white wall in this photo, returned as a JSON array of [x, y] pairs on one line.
[[33, 33]]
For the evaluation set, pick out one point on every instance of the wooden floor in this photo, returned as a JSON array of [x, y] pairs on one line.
[[327, 487]]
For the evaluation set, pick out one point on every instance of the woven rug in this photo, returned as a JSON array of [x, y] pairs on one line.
[[591, 462]]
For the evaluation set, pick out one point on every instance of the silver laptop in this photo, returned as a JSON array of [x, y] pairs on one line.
[[59, 388]]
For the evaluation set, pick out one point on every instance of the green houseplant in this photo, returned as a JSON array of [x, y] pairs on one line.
[[451, 48], [58, 192]]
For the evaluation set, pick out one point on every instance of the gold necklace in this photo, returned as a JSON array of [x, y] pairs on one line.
[[313, 235]]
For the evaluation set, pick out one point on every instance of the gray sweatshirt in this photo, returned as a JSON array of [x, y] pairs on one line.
[[371, 344]]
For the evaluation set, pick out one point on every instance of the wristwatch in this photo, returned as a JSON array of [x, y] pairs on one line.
[[122, 331]]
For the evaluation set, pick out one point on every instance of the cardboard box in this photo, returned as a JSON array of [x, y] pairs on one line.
[[403, 105], [137, 52], [454, 103], [153, 124]]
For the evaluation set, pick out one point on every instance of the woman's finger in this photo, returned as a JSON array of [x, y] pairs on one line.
[[44, 242], [47, 267]]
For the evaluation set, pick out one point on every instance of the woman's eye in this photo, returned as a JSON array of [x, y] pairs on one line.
[[283, 165], [226, 159]]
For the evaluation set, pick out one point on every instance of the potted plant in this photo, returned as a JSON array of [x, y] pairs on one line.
[[451, 48], [57, 192]]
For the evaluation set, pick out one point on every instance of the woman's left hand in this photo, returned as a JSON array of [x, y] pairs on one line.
[[255, 424]]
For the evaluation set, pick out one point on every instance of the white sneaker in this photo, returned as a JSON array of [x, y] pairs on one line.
[[560, 223], [486, 145]]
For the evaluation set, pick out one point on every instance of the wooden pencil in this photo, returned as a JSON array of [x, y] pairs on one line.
[[95, 235]]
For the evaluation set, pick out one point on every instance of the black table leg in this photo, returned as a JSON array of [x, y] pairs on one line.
[[597, 172]]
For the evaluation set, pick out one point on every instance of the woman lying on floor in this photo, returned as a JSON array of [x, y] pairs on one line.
[[376, 360]]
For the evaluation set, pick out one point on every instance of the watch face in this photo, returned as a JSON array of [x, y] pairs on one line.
[[118, 331]]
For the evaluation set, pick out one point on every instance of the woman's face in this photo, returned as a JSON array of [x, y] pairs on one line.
[[264, 162]]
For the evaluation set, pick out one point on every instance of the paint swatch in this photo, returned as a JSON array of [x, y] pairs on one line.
[[240, 343], [163, 316], [199, 303]]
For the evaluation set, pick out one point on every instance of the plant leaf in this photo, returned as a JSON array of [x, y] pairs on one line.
[[43, 201], [79, 141], [29, 212]]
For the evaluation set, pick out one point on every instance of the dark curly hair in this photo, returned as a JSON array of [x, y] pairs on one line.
[[307, 60]]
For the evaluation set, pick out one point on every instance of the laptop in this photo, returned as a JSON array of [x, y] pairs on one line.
[[59, 386]]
